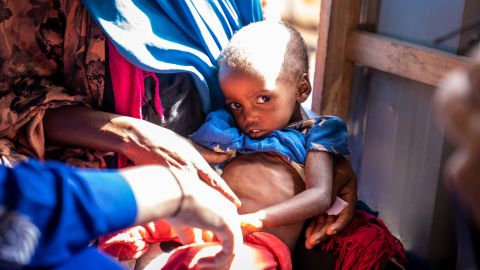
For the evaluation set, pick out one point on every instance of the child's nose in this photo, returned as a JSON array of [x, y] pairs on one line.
[[249, 116]]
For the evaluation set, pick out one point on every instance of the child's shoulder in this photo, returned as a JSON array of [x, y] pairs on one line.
[[325, 121]]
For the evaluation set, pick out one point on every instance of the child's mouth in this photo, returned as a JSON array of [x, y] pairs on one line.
[[255, 133]]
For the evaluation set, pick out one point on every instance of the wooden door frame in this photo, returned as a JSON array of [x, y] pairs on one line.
[[341, 44]]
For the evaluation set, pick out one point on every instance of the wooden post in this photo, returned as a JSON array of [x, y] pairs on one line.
[[333, 72], [407, 60]]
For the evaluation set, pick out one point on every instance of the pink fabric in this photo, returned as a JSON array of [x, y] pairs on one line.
[[261, 251], [128, 89]]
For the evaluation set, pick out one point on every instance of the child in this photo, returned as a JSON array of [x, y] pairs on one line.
[[279, 183], [263, 84], [283, 170]]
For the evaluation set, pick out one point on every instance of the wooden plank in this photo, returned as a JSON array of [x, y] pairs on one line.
[[400, 58], [333, 73]]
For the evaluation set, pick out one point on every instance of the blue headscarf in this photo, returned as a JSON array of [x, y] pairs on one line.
[[175, 36]]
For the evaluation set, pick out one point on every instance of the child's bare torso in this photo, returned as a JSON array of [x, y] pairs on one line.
[[261, 180]]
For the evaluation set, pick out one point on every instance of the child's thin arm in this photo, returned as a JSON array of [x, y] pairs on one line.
[[314, 200]]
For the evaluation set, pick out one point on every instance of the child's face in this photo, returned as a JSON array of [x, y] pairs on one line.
[[258, 107]]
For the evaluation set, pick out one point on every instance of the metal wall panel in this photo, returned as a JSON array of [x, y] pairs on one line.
[[398, 146]]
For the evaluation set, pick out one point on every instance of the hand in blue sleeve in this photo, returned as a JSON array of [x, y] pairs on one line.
[[49, 212]]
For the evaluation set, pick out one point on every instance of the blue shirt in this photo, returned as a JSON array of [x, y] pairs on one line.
[[50, 212], [323, 133]]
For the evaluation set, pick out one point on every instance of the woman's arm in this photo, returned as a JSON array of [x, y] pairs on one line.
[[59, 209], [78, 126], [140, 141], [345, 187]]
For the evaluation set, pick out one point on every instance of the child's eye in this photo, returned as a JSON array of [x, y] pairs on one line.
[[234, 106], [263, 99]]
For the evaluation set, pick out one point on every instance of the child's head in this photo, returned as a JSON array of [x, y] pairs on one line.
[[263, 74]]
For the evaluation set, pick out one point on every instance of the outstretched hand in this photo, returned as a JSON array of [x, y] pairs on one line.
[[157, 145], [185, 201], [210, 156], [202, 208], [144, 143]]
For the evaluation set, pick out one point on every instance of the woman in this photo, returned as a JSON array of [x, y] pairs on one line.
[[54, 89]]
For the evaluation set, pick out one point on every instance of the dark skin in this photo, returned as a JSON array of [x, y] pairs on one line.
[[322, 226], [282, 200]]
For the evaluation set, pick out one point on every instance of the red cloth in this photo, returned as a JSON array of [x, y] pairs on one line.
[[262, 251], [365, 244], [133, 242]]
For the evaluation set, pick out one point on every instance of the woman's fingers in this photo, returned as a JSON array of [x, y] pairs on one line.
[[230, 243], [320, 233], [210, 156], [203, 207], [231, 240], [209, 176], [340, 223], [314, 230], [324, 227], [316, 222]]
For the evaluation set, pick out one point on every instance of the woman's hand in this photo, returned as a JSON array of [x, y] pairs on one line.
[[212, 157], [152, 144], [177, 195], [203, 208], [345, 187], [140, 141]]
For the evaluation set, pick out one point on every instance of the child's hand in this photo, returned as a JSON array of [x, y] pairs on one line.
[[251, 223]]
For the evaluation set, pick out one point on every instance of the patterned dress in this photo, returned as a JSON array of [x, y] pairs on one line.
[[43, 45], [52, 54]]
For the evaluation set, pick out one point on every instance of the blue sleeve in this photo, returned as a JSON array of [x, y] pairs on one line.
[[329, 134], [49, 212], [219, 133]]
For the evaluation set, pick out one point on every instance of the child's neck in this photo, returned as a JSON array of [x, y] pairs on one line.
[[297, 114]]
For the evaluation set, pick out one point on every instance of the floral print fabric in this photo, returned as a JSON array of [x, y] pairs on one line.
[[52, 54]]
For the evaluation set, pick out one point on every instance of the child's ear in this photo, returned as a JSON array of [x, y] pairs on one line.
[[304, 88]]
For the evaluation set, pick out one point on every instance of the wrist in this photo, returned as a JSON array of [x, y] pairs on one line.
[[134, 140], [156, 190], [124, 128]]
